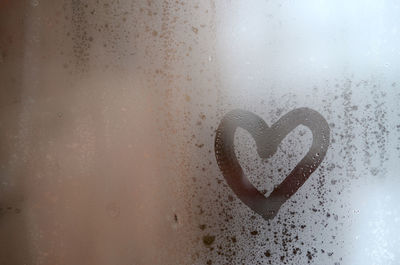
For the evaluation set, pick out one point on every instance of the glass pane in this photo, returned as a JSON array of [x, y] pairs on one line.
[[199, 132]]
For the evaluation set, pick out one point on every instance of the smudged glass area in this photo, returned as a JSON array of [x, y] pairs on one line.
[[199, 132]]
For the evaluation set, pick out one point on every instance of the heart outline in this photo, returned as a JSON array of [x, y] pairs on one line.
[[268, 138]]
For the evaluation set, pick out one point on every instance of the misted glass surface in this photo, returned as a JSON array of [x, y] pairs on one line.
[[199, 132]]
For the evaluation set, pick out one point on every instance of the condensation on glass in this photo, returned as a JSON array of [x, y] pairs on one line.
[[199, 132]]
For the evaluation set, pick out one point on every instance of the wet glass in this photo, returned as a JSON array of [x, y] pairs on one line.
[[199, 132]]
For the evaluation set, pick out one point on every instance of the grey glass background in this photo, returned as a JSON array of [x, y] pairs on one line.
[[108, 117]]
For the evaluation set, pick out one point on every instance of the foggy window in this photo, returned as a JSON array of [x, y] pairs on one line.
[[199, 132]]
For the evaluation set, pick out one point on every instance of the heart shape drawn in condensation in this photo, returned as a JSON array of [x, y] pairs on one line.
[[267, 140]]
